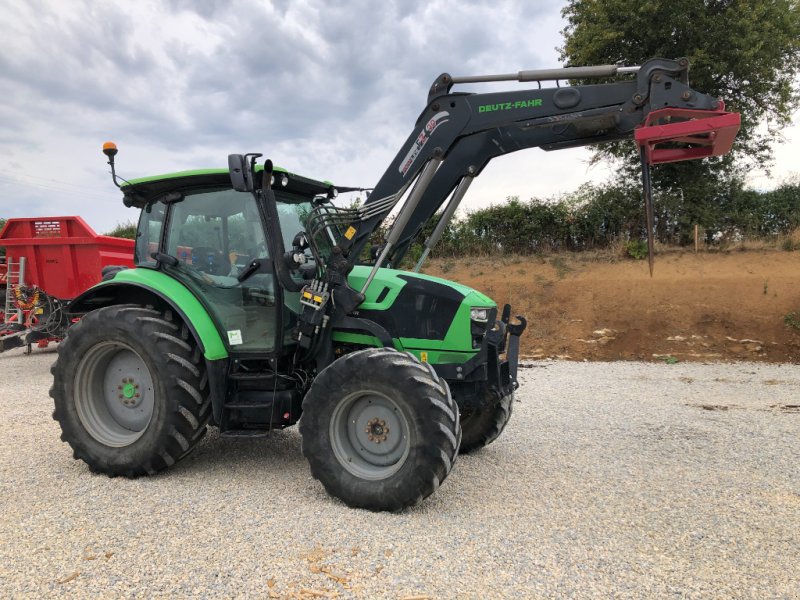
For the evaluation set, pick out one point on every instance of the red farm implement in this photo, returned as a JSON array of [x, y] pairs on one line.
[[49, 261]]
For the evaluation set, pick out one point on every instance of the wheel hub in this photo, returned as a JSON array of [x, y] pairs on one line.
[[115, 394], [377, 431], [129, 393], [370, 435]]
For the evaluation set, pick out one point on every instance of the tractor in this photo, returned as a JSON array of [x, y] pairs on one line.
[[254, 303]]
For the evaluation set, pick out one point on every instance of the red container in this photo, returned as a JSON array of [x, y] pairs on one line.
[[64, 256]]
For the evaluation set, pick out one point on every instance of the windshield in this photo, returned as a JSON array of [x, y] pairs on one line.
[[294, 213]]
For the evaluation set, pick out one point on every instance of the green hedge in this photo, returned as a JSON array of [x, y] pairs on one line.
[[597, 216]]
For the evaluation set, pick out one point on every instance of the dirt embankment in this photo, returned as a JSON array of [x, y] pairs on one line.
[[722, 306]]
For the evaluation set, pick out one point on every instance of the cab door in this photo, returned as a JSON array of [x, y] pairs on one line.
[[215, 235]]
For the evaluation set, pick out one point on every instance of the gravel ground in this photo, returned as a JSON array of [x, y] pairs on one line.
[[612, 479]]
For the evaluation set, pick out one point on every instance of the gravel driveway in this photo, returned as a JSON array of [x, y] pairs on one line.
[[624, 479]]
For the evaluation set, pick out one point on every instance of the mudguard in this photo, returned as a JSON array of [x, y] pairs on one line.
[[139, 286]]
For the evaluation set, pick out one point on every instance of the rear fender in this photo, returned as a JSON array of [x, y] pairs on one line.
[[153, 288], [174, 296]]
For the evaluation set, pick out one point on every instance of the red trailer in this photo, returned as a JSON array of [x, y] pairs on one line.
[[49, 261]]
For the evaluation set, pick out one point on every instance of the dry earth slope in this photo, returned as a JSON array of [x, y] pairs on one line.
[[705, 306]]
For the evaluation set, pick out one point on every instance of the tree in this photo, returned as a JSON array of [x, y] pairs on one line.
[[746, 52], [2, 224]]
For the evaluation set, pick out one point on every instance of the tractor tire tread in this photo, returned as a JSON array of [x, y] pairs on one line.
[[435, 413], [485, 425], [177, 369]]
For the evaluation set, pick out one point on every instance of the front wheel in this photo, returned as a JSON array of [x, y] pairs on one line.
[[130, 390], [380, 429], [483, 425]]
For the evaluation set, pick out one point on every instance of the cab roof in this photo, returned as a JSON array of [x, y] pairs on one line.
[[146, 190]]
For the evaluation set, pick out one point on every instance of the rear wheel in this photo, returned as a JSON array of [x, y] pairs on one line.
[[481, 426], [130, 390], [380, 429]]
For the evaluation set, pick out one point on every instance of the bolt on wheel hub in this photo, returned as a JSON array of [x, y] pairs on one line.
[[377, 431]]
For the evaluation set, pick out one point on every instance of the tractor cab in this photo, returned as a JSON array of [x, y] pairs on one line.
[[211, 238]]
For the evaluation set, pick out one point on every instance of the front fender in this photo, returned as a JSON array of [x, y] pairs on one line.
[[146, 286]]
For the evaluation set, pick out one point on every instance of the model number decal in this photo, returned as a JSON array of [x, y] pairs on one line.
[[422, 139], [532, 103]]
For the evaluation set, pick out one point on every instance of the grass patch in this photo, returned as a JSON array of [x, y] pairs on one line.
[[792, 320], [636, 249], [560, 265]]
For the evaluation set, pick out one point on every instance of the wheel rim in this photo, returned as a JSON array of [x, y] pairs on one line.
[[114, 394], [370, 435]]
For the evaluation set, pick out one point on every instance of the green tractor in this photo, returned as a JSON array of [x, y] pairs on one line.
[[248, 308]]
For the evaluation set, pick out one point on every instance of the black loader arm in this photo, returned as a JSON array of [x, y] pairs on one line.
[[457, 134]]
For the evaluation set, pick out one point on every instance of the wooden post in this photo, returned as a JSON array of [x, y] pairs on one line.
[[695, 238]]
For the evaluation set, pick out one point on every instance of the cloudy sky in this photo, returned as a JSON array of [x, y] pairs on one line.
[[328, 89]]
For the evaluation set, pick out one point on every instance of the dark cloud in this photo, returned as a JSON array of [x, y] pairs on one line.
[[280, 70], [318, 85], [291, 72]]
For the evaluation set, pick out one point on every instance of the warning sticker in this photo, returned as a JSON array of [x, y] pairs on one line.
[[351, 231], [235, 337]]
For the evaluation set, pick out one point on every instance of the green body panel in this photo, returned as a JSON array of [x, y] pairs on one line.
[[348, 337], [192, 173], [455, 348], [195, 313]]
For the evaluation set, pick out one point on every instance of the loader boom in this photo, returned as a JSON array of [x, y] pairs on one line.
[[458, 133]]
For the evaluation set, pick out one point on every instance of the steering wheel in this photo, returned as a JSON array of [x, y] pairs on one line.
[[210, 260]]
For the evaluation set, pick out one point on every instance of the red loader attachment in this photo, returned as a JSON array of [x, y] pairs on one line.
[[674, 134]]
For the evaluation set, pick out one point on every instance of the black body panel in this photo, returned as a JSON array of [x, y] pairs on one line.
[[423, 310]]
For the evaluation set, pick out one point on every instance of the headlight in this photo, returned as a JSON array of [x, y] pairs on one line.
[[480, 315]]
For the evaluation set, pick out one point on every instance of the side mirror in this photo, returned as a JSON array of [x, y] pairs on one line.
[[300, 241], [240, 173]]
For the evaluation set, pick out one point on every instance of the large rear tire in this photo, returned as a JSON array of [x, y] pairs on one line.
[[481, 426], [380, 429], [130, 390]]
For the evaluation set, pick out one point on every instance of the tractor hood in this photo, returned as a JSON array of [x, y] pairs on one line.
[[424, 312], [394, 280]]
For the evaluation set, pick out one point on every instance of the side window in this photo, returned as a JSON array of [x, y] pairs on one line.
[[148, 235], [217, 233]]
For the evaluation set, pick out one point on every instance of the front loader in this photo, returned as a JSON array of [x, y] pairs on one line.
[[249, 307]]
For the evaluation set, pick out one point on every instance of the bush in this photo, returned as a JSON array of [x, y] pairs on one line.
[[596, 217], [636, 249], [124, 230], [792, 320]]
